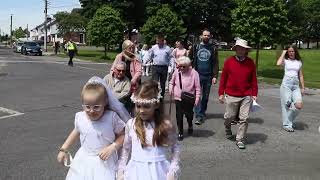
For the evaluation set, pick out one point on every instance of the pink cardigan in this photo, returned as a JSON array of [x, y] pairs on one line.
[[135, 68], [190, 83]]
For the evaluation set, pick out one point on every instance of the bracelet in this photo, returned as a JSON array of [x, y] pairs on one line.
[[63, 150]]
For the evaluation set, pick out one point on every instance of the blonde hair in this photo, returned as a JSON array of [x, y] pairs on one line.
[[98, 88], [145, 47], [127, 43], [183, 60]]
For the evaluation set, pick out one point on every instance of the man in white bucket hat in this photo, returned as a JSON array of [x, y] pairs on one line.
[[238, 88]]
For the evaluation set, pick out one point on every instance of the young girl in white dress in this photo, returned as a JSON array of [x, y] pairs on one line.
[[149, 139], [101, 133]]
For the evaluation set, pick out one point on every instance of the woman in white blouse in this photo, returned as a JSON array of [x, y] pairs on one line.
[[292, 87]]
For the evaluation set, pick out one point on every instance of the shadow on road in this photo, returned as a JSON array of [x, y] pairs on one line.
[[256, 120], [202, 133], [214, 116], [252, 138], [300, 126]]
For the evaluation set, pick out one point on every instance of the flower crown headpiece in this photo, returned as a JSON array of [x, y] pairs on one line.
[[154, 100]]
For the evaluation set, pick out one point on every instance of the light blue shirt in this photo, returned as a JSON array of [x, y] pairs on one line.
[[160, 56]]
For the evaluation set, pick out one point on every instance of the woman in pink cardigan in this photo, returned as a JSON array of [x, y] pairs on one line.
[[133, 71], [190, 84]]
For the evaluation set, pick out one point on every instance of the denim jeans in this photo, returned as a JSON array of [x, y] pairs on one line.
[[290, 94], [205, 83]]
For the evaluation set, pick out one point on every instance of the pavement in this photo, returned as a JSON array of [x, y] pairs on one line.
[[43, 94]]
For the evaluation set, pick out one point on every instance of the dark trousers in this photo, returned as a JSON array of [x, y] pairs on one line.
[[160, 73], [71, 55], [205, 83], [183, 109]]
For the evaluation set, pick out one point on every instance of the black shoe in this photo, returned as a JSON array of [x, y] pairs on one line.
[[228, 133], [190, 130], [180, 137]]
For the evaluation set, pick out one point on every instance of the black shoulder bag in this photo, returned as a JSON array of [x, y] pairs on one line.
[[186, 97]]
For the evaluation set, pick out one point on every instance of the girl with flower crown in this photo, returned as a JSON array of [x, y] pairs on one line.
[[149, 138], [100, 128]]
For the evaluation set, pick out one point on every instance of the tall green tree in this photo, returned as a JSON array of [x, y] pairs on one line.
[[132, 11], [312, 21], [19, 33], [214, 15], [260, 22], [165, 22], [70, 22], [106, 28]]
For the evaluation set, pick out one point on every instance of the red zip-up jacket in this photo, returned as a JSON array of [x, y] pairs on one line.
[[238, 78]]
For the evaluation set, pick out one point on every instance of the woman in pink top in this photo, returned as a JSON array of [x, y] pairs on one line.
[[179, 51], [189, 83], [133, 71]]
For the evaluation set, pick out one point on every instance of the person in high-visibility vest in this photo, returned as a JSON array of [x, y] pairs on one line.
[[72, 49]]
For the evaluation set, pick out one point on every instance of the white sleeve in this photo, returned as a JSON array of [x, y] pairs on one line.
[[175, 151], [126, 148]]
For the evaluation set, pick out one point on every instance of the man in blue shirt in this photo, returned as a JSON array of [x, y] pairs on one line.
[[160, 55], [204, 58]]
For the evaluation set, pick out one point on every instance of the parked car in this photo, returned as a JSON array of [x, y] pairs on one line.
[[17, 47], [31, 47]]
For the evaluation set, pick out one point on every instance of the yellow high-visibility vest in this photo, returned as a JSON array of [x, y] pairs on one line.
[[71, 46]]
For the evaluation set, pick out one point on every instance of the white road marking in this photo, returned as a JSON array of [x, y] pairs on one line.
[[11, 113]]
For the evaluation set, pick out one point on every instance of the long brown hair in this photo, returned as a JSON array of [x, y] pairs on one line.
[[296, 53], [149, 90]]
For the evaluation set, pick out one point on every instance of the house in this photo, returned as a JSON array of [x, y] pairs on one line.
[[38, 33]]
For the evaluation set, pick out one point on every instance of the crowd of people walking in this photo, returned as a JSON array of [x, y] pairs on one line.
[[123, 129]]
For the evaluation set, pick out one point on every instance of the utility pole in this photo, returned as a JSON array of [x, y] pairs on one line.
[[27, 32], [45, 24], [11, 30]]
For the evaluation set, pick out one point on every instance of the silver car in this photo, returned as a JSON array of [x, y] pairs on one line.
[[18, 47]]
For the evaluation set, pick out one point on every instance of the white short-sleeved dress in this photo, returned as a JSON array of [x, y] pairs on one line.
[[148, 163], [94, 136]]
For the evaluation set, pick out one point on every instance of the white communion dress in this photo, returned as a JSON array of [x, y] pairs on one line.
[[151, 162], [94, 136]]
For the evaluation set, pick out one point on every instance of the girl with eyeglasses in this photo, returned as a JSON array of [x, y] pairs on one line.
[[101, 133]]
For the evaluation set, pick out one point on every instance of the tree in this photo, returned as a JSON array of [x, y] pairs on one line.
[[297, 20], [163, 22], [106, 28], [70, 22], [19, 33], [260, 22], [132, 11], [312, 21], [214, 15]]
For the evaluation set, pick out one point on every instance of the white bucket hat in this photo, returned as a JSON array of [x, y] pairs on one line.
[[242, 43]]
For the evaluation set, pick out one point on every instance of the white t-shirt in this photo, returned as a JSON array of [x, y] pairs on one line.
[[292, 67]]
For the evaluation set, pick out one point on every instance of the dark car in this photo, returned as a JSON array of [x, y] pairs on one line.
[[31, 48]]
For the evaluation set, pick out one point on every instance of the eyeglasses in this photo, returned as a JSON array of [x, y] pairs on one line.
[[95, 108], [182, 66], [120, 70]]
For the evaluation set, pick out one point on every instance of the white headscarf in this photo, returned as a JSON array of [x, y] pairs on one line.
[[113, 103]]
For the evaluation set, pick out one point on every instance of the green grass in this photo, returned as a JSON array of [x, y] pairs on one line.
[[270, 73], [94, 55]]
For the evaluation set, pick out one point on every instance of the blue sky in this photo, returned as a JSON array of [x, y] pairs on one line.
[[30, 12]]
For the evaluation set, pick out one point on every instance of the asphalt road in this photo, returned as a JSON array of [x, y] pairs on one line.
[[40, 95]]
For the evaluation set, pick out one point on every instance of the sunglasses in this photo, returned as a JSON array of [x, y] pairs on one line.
[[95, 108], [182, 66], [121, 70]]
